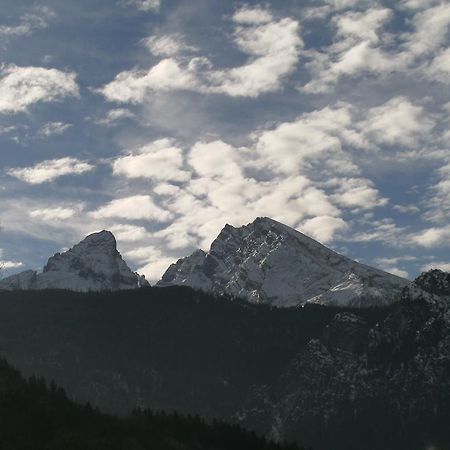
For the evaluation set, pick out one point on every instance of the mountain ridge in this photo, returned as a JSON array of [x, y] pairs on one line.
[[94, 264], [269, 262]]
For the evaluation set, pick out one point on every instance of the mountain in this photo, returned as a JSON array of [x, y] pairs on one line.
[[330, 377], [40, 417], [268, 262], [373, 386], [92, 265]]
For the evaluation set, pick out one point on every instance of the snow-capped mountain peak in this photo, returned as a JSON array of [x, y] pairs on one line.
[[94, 264], [269, 262]]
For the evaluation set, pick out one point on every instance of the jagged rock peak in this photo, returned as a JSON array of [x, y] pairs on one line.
[[434, 281], [269, 262], [94, 264]]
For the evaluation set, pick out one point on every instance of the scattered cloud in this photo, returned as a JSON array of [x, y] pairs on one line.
[[439, 68], [384, 230], [362, 45], [399, 272], [272, 46], [54, 128], [129, 233], [50, 214], [21, 87], [357, 193], [252, 16], [155, 265], [136, 207], [7, 129], [36, 18], [444, 266], [168, 45], [10, 265], [432, 237], [114, 116], [50, 170], [145, 5], [398, 121], [159, 160], [407, 209], [357, 48], [391, 265], [323, 228]]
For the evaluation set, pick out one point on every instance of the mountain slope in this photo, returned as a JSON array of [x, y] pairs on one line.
[[373, 387], [92, 265], [34, 416], [333, 377], [268, 262]]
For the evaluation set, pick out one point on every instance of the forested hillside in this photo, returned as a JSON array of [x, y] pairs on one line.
[[36, 417]]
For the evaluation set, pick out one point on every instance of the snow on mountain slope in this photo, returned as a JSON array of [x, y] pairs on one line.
[[92, 265], [268, 262]]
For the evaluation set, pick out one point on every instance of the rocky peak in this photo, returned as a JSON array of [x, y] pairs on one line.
[[435, 282], [94, 264], [269, 262]]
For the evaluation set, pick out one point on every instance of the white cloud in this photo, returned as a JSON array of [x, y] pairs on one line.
[[7, 129], [37, 18], [155, 263], [272, 46], [362, 45], [51, 214], [384, 230], [432, 237], [419, 4], [391, 265], [357, 48], [407, 209], [395, 260], [363, 25], [323, 228], [357, 193], [439, 68], [399, 272], [314, 138], [439, 203], [431, 30], [215, 159], [54, 128], [50, 170], [159, 160], [397, 122], [145, 5], [128, 233], [252, 16], [168, 45], [115, 115], [21, 87], [10, 264], [134, 86], [136, 207], [444, 266], [343, 4]]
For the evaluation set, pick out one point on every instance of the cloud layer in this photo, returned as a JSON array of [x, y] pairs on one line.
[[331, 117]]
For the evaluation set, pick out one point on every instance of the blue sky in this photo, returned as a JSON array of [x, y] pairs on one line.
[[164, 120]]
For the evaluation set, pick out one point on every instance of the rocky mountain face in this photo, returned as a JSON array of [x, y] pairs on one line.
[[331, 377], [268, 262], [92, 265], [387, 385]]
